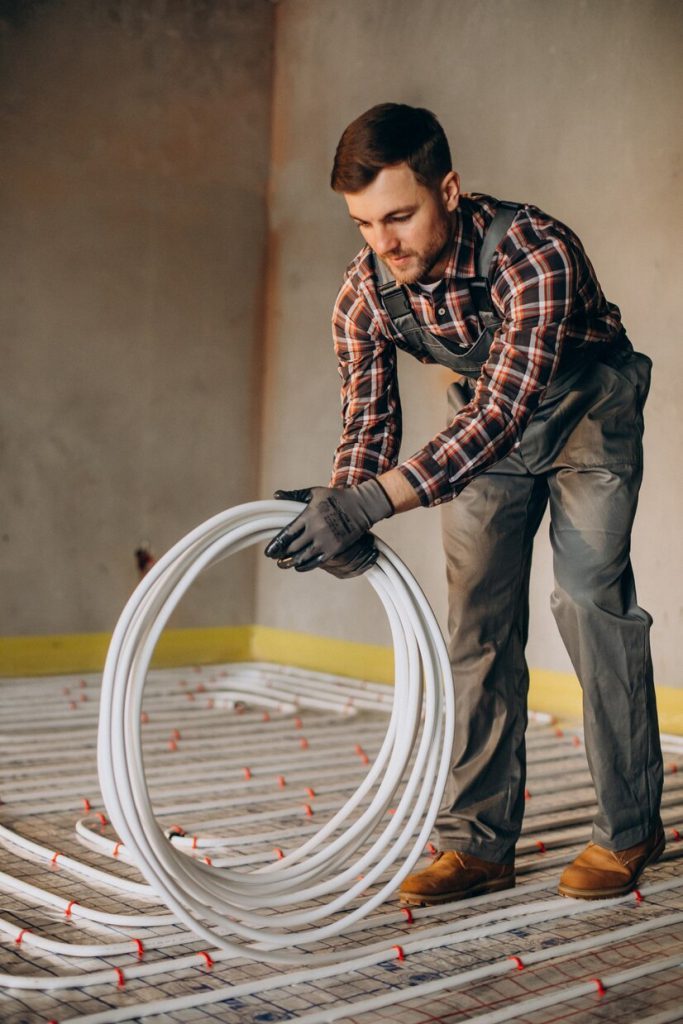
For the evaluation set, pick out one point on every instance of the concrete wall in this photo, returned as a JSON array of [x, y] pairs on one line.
[[148, 362], [134, 139], [570, 105]]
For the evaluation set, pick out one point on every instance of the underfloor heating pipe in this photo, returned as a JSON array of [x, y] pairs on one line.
[[484, 925], [362, 960], [62, 982], [420, 724]]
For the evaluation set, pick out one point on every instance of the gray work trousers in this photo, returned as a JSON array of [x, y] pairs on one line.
[[581, 454]]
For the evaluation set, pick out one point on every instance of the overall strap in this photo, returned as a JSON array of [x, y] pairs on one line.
[[397, 304], [480, 286]]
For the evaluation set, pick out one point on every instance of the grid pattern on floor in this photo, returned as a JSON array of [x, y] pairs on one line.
[[235, 777]]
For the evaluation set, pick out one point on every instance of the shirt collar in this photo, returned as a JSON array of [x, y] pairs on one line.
[[469, 222]]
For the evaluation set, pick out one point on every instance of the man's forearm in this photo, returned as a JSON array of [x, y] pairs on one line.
[[400, 493]]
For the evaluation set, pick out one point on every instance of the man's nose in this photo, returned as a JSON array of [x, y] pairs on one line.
[[385, 239]]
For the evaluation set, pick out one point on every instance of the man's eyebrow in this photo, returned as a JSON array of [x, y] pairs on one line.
[[391, 213]]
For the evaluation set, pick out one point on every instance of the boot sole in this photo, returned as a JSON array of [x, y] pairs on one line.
[[621, 890], [410, 900]]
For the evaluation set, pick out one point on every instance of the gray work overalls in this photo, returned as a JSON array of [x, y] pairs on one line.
[[581, 455]]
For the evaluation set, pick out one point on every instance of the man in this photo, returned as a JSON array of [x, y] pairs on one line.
[[547, 411]]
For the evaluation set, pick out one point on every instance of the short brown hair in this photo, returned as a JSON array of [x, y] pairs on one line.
[[389, 134]]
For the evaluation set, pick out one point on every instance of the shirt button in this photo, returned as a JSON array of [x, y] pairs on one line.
[[442, 311], [437, 501]]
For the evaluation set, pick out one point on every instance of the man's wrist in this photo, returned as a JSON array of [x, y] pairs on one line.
[[401, 494]]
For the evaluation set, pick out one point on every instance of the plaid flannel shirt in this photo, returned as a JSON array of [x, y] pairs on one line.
[[546, 292]]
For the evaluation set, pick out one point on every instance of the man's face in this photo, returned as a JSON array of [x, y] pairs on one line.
[[406, 224]]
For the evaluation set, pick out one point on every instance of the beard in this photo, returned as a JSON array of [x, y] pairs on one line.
[[419, 263]]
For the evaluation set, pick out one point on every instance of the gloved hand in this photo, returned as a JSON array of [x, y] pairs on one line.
[[353, 561], [336, 520]]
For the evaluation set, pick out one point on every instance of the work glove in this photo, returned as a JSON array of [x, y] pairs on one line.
[[353, 561], [333, 531]]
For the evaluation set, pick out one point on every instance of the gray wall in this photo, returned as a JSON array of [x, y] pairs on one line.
[[166, 352], [134, 140], [572, 105]]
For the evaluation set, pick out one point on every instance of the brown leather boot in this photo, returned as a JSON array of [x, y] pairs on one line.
[[597, 873], [455, 876]]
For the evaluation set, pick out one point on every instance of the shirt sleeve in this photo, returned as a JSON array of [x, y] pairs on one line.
[[371, 410], [535, 288]]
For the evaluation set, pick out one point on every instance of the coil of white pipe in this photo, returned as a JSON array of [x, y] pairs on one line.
[[255, 911]]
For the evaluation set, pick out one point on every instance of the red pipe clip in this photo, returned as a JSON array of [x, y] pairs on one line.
[[308, 810], [247, 774], [303, 743], [115, 851], [518, 962], [69, 908], [86, 805], [675, 835], [281, 781], [140, 948], [53, 859], [638, 895], [400, 955], [278, 853], [541, 846], [600, 987], [298, 724], [408, 914], [20, 937], [207, 958], [309, 792], [121, 981]]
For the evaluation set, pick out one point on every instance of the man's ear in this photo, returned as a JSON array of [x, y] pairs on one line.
[[450, 190]]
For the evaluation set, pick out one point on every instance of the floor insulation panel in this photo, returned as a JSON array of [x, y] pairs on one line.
[[236, 778]]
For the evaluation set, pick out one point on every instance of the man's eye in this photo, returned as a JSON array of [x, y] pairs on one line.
[[404, 216]]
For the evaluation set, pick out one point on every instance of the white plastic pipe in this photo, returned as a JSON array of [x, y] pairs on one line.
[[361, 838]]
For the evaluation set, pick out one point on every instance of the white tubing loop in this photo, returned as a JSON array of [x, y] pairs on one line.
[[240, 902]]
